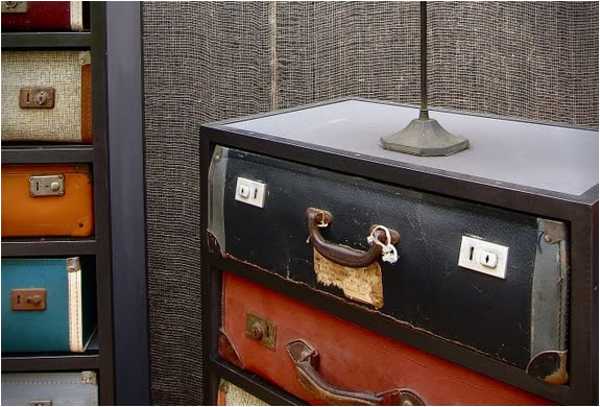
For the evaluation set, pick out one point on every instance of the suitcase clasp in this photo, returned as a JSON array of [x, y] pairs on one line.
[[261, 330], [13, 7], [36, 98], [47, 185], [28, 299]]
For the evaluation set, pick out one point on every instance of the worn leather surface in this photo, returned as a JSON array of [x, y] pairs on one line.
[[40, 16], [425, 288], [67, 215], [347, 356]]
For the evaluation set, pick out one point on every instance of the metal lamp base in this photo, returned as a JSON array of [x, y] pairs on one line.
[[425, 137]]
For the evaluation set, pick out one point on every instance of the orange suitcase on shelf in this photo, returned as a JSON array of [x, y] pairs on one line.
[[47, 200], [324, 360]]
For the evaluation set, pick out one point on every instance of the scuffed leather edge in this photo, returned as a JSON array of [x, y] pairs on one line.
[[228, 351], [550, 366]]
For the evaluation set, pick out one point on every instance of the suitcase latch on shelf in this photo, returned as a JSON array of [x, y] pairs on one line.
[[261, 330], [47, 185], [13, 7], [28, 299], [36, 98]]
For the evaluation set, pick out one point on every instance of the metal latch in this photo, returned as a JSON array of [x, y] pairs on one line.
[[261, 330], [88, 377], [11, 7], [40, 403], [28, 299], [47, 185], [36, 98]]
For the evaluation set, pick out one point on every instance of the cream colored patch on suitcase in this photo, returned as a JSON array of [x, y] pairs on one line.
[[60, 70], [363, 284], [231, 395]]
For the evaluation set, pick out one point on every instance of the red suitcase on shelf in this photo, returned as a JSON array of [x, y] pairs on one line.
[[325, 360], [42, 16]]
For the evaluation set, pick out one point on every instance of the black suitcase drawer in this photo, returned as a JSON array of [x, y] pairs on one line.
[[507, 299]]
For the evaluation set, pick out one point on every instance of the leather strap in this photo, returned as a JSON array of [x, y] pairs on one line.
[[306, 361]]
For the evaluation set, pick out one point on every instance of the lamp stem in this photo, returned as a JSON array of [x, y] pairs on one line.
[[424, 113], [424, 136]]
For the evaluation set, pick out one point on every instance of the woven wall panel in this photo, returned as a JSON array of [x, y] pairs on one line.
[[332, 49], [208, 61], [202, 61], [535, 60]]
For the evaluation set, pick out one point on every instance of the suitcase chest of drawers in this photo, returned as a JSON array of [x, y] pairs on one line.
[[474, 276]]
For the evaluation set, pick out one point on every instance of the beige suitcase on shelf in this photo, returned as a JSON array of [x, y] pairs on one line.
[[46, 96], [231, 395]]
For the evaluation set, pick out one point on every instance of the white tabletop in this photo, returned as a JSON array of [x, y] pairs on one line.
[[553, 158]]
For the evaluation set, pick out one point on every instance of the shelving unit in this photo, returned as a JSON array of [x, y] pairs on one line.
[[99, 356]]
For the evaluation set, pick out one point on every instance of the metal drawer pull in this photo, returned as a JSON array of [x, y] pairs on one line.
[[13, 7], [36, 98], [347, 256], [306, 361]]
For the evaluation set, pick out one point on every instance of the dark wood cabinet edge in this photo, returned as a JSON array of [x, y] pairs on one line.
[[127, 203]]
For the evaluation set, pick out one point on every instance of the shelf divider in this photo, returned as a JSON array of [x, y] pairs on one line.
[[45, 40], [49, 363], [47, 247], [47, 154]]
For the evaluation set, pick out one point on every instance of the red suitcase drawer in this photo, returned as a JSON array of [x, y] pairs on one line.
[[348, 364], [42, 16]]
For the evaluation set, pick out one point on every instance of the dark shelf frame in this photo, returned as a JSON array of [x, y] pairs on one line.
[[128, 221], [50, 363], [51, 154], [48, 247], [580, 212], [99, 246], [46, 40]]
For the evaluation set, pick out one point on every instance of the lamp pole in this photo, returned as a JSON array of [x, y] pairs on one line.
[[424, 113], [424, 136]]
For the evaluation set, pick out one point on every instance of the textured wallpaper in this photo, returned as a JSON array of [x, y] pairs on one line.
[[208, 61]]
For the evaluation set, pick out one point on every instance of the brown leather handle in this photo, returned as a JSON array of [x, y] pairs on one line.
[[306, 361], [339, 254]]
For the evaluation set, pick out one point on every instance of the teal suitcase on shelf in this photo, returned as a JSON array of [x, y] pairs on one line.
[[48, 305]]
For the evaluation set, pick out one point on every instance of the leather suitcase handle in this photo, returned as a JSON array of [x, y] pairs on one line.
[[339, 254], [306, 361]]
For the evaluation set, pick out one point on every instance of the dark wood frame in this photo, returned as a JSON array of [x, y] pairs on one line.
[[580, 212], [99, 357], [126, 148]]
